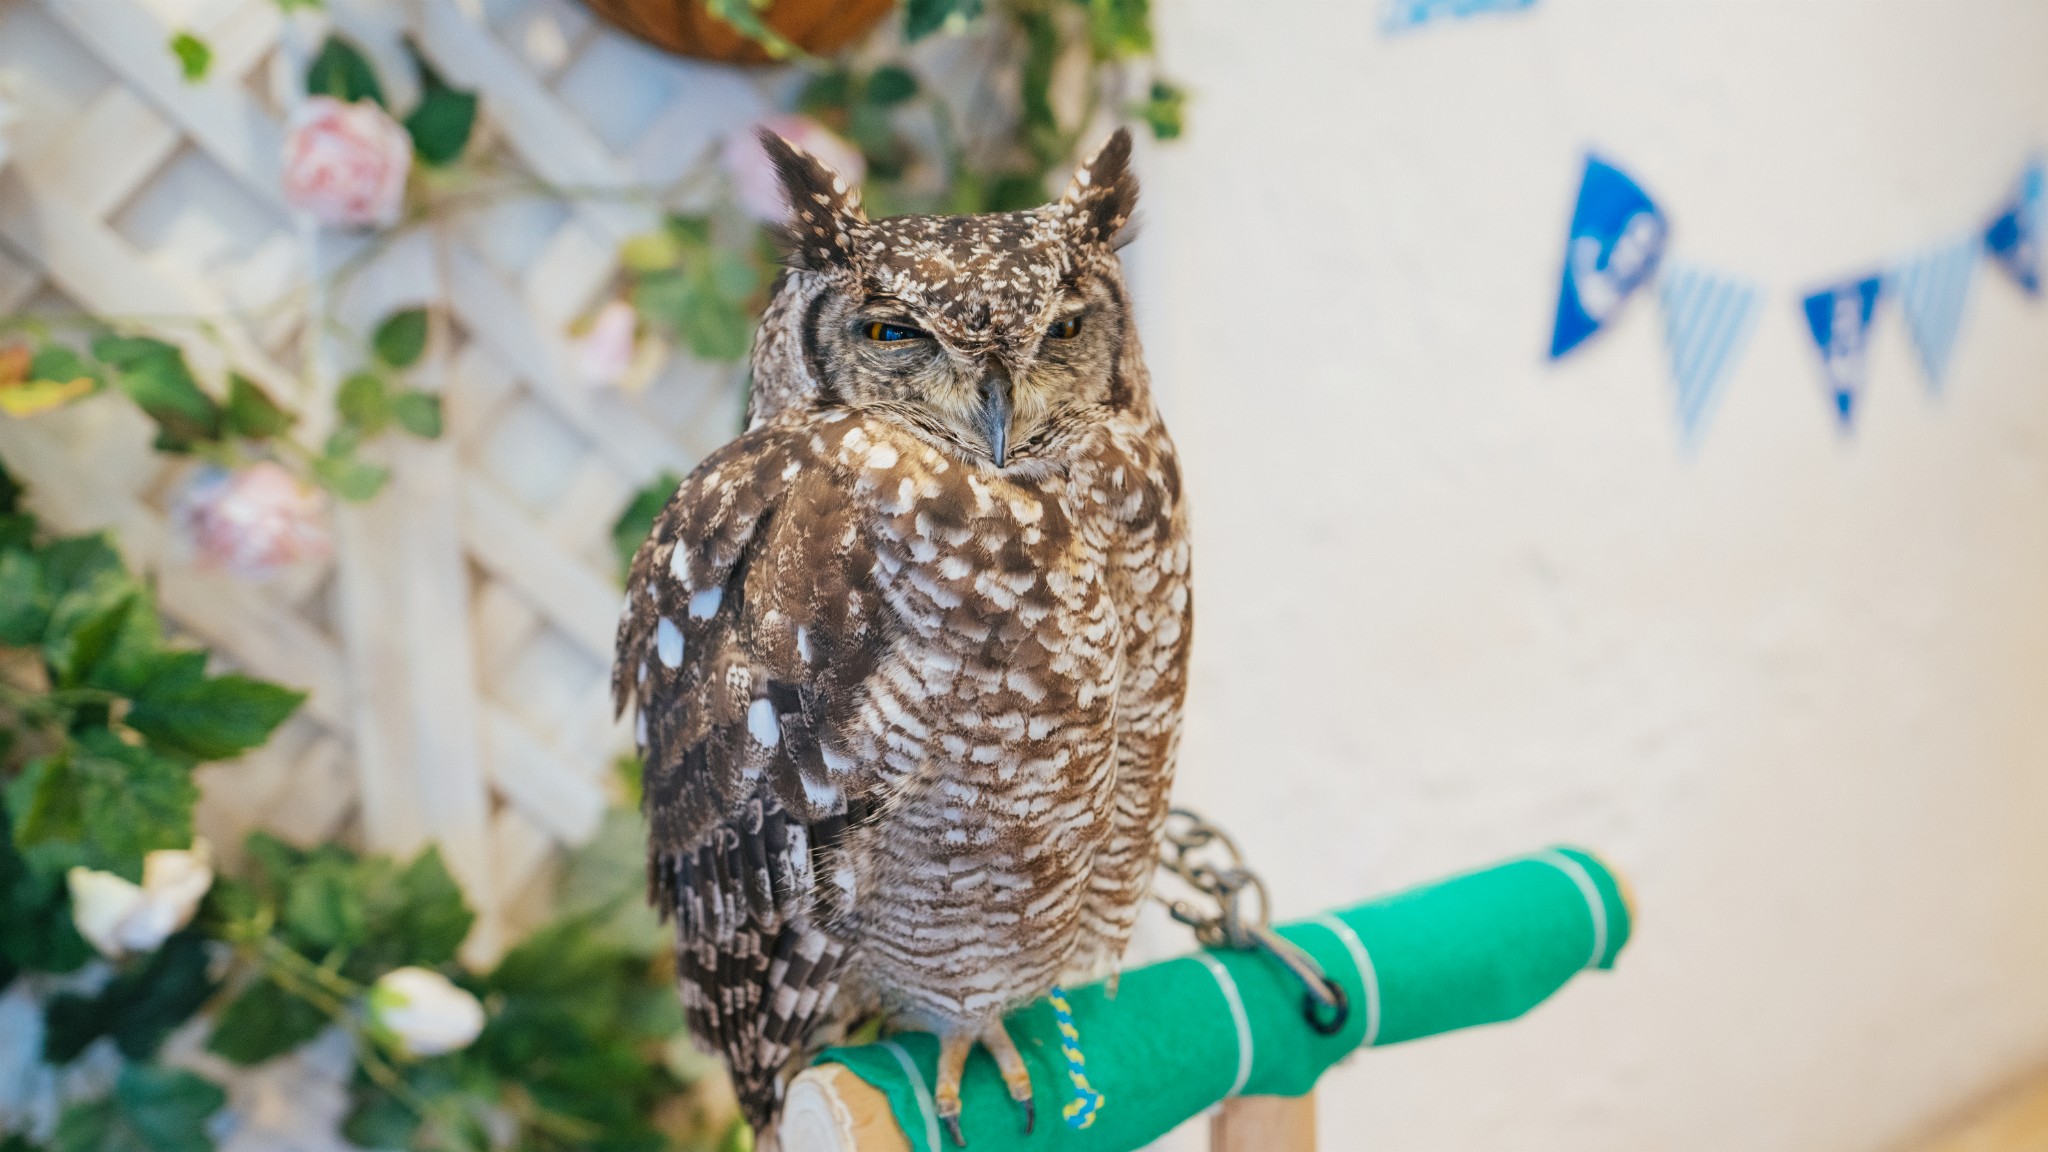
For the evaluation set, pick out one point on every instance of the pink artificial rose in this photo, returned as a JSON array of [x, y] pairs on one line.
[[346, 163], [255, 522], [604, 354], [754, 176]]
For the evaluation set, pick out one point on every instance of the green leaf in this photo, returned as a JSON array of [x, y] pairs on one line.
[[745, 19], [262, 1023], [139, 1008], [152, 1109], [825, 92], [341, 71], [692, 232], [921, 18], [442, 121], [650, 252], [364, 400], [1164, 110], [716, 328], [24, 603], [11, 492], [183, 710], [101, 803], [418, 413], [637, 520], [1120, 29], [154, 375], [348, 477], [401, 338], [251, 413], [890, 85], [36, 932], [84, 623], [194, 57], [419, 917], [324, 906], [379, 1120], [59, 363]]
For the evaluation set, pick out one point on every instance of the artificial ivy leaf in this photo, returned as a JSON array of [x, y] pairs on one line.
[[262, 1023], [348, 477], [1120, 28], [60, 364], [24, 603], [419, 917], [251, 413], [154, 374], [637, 520], [401, 338], [716, 328], [364, 400], [152, 1109], [11, 492], [100, 802], [194, 56], [83, 625], [891, 84], [183, 710], [1164, 110], [342, 72], [921, 18], [650, 252], [418, 413], [826, 91], [379, 1120], [441, 123], [139, 1008], [692, 232], [36, 932], [325, 906]]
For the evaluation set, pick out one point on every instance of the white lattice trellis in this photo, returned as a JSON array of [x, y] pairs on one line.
[[457, 647]]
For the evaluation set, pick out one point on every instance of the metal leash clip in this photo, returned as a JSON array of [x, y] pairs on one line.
[[1189, 849]]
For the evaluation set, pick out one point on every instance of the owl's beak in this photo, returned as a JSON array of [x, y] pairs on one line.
[[995, 414]]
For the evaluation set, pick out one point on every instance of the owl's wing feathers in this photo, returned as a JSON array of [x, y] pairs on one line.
[[745, 624]]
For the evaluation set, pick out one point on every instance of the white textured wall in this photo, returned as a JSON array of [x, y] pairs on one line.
[[1454, 604]]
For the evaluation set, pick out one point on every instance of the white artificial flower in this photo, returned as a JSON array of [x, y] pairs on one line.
[[118, 917], [423, 1013]]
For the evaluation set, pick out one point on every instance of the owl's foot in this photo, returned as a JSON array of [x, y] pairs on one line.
[[953, 1050], [1016, 1077]]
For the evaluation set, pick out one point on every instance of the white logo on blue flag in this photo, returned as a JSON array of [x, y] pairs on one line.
[[2014, 237], [1839, 318], [1708, 318], [1401, 15], [1933, 290], [1617, 238]]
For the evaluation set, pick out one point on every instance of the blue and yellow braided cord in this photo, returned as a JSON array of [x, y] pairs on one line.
[[1080, 1111]]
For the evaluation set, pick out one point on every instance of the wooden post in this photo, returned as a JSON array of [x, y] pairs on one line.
[[1264, 1124]]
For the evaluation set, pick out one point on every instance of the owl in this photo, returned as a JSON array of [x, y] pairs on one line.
[[906, 659]]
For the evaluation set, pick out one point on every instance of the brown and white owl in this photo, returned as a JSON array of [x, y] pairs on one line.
[[906, 658]]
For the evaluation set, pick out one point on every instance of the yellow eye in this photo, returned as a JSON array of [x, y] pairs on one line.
[[1065, 329], [883, 332]]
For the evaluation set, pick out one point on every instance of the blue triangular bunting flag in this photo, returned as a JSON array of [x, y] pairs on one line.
[[1933, 290], [1839, 318], [1401, 15], [1617, 238], [1707, 320], [2014, 237]]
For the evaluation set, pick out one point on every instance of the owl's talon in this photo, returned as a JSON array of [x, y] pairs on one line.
[[953, 1132], [1030, 1111]]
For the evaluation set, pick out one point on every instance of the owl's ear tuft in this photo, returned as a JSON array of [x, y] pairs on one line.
[[1103, 196], [824, 210]]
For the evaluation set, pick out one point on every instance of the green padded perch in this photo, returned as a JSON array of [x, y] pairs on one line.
[[1184, 1034]]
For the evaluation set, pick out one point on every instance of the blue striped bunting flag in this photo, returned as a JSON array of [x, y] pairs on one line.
[[1707, 319], [1933, 290], [1401, 15]]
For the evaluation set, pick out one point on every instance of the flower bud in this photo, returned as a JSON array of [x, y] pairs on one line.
[[422, 1013], [347, 163], [118, 917]]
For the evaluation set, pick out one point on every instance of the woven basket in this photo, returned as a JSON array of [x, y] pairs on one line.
[[819, 27]]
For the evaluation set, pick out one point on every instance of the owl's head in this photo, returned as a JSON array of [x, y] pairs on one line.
[[999, 334]]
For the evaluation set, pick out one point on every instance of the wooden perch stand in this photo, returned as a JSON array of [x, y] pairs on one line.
[[1231, 1028]]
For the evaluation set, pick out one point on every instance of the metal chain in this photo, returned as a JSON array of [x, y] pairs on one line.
[[1207, 860]]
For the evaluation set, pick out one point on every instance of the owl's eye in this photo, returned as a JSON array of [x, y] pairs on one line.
[[1065, 329], [883, 332]]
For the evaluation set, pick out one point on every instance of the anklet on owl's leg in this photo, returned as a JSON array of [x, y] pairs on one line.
[[953, 1050], [1016, 1077]]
